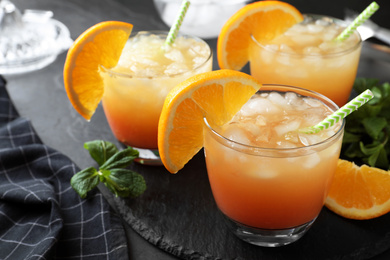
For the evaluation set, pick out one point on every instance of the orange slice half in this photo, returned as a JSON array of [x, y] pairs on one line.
[[263, 19], [359, 192], [101, 44], [216, 95]]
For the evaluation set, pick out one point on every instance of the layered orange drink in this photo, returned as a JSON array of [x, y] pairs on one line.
[[308, 56], [269, 178], [134, 91]]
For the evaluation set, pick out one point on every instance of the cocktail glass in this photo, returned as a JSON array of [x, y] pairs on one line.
[[271, 196], [133, 103], [329, 69]]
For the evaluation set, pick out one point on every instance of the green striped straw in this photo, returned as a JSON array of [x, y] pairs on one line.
[[359, 20], [175, 27], [340, 114]]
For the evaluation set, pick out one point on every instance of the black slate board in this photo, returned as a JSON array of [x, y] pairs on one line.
[[177, 213]]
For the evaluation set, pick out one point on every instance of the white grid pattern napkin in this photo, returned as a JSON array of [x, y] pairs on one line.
[[41, 216]]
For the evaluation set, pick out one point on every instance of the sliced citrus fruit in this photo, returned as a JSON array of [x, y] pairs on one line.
[[216, 95], [359, 192], [101, 44], [264, 20]]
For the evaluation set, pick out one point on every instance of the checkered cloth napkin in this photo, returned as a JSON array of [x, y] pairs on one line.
[[41, 216]]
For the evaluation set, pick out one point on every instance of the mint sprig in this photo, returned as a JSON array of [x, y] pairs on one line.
[[366, 137], [112, 163]]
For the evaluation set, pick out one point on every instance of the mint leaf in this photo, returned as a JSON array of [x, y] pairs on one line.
[[351, 138], [352, 151], [376, 156], [386, 92], [123, 183], [121, 159], [100, 150], [374, 126], [370, 149], [84, 181], [361, 84], [366, 130], [381, 160]]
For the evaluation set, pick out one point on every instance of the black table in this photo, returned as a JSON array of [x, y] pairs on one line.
[[40, 96]]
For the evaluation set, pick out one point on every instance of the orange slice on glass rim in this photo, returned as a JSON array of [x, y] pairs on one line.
[[216, 95], [101, 44], [264, 20]]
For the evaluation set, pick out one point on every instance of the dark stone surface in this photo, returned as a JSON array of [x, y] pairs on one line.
[[178, 214]]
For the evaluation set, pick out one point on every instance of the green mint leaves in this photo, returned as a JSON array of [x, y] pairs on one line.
[[100, 151], [366, 137], [112, 163]]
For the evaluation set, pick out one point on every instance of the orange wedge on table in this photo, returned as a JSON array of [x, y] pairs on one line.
[[216, 95], [101, 44], [359, 192], [263, 19]]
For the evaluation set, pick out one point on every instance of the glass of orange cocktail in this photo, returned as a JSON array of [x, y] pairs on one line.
[[307, 56], [269, 179], [136, 88]]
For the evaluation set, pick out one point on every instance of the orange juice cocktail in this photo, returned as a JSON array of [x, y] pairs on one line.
[[267, 178], [136, 88], [307, 56]]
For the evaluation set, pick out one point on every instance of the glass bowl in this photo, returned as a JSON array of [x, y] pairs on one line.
[[30, 41], [204, 18]]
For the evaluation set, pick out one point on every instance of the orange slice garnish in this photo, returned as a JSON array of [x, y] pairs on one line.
[[264, 20], [101, 44], [216, 95]]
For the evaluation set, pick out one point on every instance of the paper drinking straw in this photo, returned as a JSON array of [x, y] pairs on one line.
[[360, 19], [340, 114], [175, 27]]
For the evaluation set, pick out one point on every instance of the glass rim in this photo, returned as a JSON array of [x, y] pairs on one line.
[[160, 33], [257, 150], [328, 55]]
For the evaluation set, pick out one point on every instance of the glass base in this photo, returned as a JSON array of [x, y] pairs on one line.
[[268, 237], [148, 157]]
